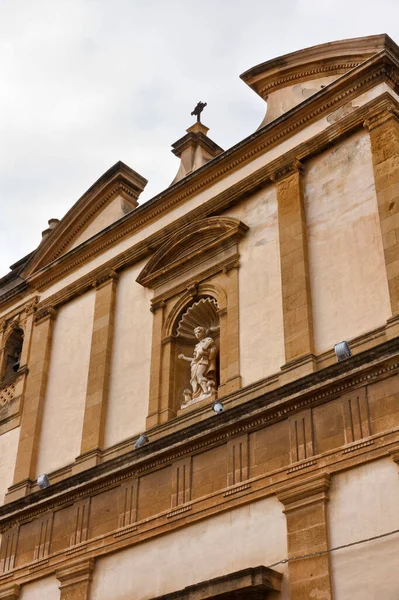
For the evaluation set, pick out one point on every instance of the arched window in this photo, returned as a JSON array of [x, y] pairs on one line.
[[12, 353]]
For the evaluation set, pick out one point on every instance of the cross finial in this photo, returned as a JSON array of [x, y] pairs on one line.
[[198, 110]]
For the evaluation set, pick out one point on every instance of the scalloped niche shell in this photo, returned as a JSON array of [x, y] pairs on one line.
[[202, 313]]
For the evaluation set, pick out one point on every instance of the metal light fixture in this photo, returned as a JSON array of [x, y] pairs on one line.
[[43, 481], [218, 407], [342, 351], [143, 439]]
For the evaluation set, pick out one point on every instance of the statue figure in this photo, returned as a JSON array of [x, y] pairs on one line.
[[203, 368]]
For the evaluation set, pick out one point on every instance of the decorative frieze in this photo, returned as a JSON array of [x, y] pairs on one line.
[[8, 552], [301, 436], [128, 497], [43, 536], [237, 460], [181, 482], [81, 527], [356, 415]]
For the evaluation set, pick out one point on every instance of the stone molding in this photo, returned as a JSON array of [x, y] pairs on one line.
[[118, 180], [293, 166], [202, 508], [333, 58], [78, 574], [304, 492], [236, 421], [220, 202], [378, 118], [105, 278], [214, 232], [10, 592], [47, 312], [348, 86], [246, 583]]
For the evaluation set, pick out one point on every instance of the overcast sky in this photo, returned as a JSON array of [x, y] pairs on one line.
[[85, 83]]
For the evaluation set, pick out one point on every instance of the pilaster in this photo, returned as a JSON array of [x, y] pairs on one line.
[[156, 361], [383, 127], [305, 507], [75, 580], [36, 384], [10, 592], [297, 306], [99, 372]]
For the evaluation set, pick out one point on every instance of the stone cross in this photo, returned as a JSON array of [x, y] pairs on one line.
[[198, 110]]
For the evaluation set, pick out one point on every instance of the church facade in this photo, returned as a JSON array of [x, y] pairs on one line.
[[199, 394]]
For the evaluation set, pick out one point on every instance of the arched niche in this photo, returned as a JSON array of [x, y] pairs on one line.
[[12, 353], [198, 263], [197, 339]]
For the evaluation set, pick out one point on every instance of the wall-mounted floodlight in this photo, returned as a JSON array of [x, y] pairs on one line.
[[143, 439], [342, 351], [217, 407], [43, 481]]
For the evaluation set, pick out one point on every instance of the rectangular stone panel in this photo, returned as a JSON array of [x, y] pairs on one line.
[[269, 448], [63, 524], [104, 513], [209, 472], [328, 426], [154, 494], [26, 543], [383, 397]]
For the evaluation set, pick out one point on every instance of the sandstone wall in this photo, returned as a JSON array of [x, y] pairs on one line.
[[66, 390]]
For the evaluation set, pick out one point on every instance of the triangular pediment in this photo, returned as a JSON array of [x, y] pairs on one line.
[[189, 245], [113, 195]]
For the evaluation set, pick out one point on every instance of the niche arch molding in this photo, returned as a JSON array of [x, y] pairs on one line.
[[200, 261], [13, 383]]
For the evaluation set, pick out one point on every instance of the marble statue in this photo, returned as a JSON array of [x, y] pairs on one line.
[[203, 368]]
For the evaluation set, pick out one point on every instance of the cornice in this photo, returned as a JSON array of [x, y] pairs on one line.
[[332, 58], [11, 592], [46, 312], [382, 67], [119, 179], [217, 204], [215, 503], [252, 415], [201, 237], [287, 170], [304, 492], [75, 572]]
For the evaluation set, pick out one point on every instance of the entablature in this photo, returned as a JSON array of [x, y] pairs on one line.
[[382, 67]]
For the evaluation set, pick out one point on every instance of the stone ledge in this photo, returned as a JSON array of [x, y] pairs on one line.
[[246, 583]]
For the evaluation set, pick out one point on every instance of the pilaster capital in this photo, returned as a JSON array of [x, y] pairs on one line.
[[304, 492], [30, 307], [11, 592], [395, 453], [47, 312], [75, 573], [156, 305], [382, 115], [105, 277], [230, 265], [287, 169]]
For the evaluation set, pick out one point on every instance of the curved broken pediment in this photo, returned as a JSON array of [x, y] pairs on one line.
[[193, 244]]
